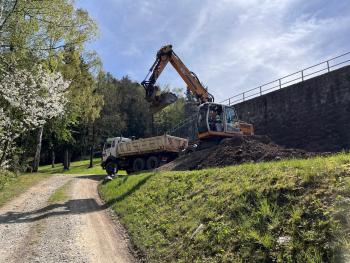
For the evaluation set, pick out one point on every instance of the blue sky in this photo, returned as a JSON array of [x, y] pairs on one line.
[[232, 45]]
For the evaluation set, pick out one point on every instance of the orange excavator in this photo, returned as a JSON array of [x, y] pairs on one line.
[[214, 120]]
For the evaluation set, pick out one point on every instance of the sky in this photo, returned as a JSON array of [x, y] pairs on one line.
[[232, 45]]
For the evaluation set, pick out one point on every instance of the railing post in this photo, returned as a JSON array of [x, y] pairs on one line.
[[328, 66], [260, 91], [302, 75], [229, 101], [243, 96], [279, 81]]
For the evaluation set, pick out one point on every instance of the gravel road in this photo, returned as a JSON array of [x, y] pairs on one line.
[[79, 229]]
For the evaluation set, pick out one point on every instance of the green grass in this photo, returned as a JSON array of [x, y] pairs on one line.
[[17, 184], [79, 167], [61, 194], [12, 185], [286, 211]]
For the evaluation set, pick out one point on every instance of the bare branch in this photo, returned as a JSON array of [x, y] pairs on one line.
[[9, 14]]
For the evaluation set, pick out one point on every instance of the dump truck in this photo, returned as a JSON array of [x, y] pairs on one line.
[[120, 153]]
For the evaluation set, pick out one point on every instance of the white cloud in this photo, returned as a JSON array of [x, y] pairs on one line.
[[232, 45], [261, 47]]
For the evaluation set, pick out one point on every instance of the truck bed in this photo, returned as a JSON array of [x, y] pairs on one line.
[[164, 143]]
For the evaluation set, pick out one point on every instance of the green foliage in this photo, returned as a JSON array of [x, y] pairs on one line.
[[42, 28], [286, 211], [125, 112], [84, 103], [6, 177], [53, 33], [169, 116]]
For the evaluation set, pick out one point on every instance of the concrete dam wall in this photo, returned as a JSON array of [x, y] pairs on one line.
[[313, 115]]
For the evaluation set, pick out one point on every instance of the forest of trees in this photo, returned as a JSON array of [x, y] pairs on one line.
[[56, 102]]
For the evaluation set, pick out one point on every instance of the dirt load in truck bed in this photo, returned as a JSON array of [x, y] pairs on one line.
[[232, 151]]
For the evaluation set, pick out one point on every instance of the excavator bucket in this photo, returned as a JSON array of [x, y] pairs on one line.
[[162, 101]]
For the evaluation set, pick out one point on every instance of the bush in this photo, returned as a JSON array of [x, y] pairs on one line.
[[6, 177]]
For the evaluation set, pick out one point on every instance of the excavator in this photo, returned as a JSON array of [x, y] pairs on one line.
[[214, 121]]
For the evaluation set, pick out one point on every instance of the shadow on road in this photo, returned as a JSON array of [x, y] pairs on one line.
[[95, 177], [70, 207]]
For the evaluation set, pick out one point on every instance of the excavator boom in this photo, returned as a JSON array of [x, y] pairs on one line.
[[214, 120], [160, 100]]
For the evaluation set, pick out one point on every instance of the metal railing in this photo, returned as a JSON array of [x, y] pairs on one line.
[[182, 123], [296, 77]]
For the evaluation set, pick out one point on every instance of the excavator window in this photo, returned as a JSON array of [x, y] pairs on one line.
[[215, 118], [231, 120], [202, 123]]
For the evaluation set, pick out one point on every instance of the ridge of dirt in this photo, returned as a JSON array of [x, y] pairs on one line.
[[232, 151]]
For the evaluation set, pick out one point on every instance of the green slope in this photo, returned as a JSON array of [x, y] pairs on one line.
[[286, 211]]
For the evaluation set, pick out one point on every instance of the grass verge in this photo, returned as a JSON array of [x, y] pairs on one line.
[[14, 185], [61, 194], [79, 167], [285, 211], [11, 184]]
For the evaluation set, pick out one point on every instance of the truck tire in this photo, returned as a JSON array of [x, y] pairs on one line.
[[152, 162], [138, 164], [111, 168]]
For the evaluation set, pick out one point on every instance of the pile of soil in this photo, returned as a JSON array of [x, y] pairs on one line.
[[232, 151]]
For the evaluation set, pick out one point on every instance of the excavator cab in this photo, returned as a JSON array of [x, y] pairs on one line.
[[217, 120]]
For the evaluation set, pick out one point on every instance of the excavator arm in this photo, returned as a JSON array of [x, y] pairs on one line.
[[160, 100]]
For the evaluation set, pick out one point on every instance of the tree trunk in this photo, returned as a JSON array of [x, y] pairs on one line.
[[152, 125], [2, 158], [53, 158], [36, 161], [66, 159], [91, 157], [92, 147]]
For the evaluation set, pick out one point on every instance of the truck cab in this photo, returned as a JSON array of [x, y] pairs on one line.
[[110, 148]]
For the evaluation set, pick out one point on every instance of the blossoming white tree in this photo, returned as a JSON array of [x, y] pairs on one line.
[[27, 100]]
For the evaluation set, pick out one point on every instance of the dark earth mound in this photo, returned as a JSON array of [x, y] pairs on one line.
[[232, 151]]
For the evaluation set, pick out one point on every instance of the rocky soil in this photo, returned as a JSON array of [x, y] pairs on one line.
[[235, 150], [78, 229]]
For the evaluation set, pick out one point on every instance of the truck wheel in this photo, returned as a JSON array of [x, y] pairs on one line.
[[111, 168], [138, 164], [152, 162]]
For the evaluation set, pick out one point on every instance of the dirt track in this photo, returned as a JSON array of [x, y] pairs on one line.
[[79, 229]]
